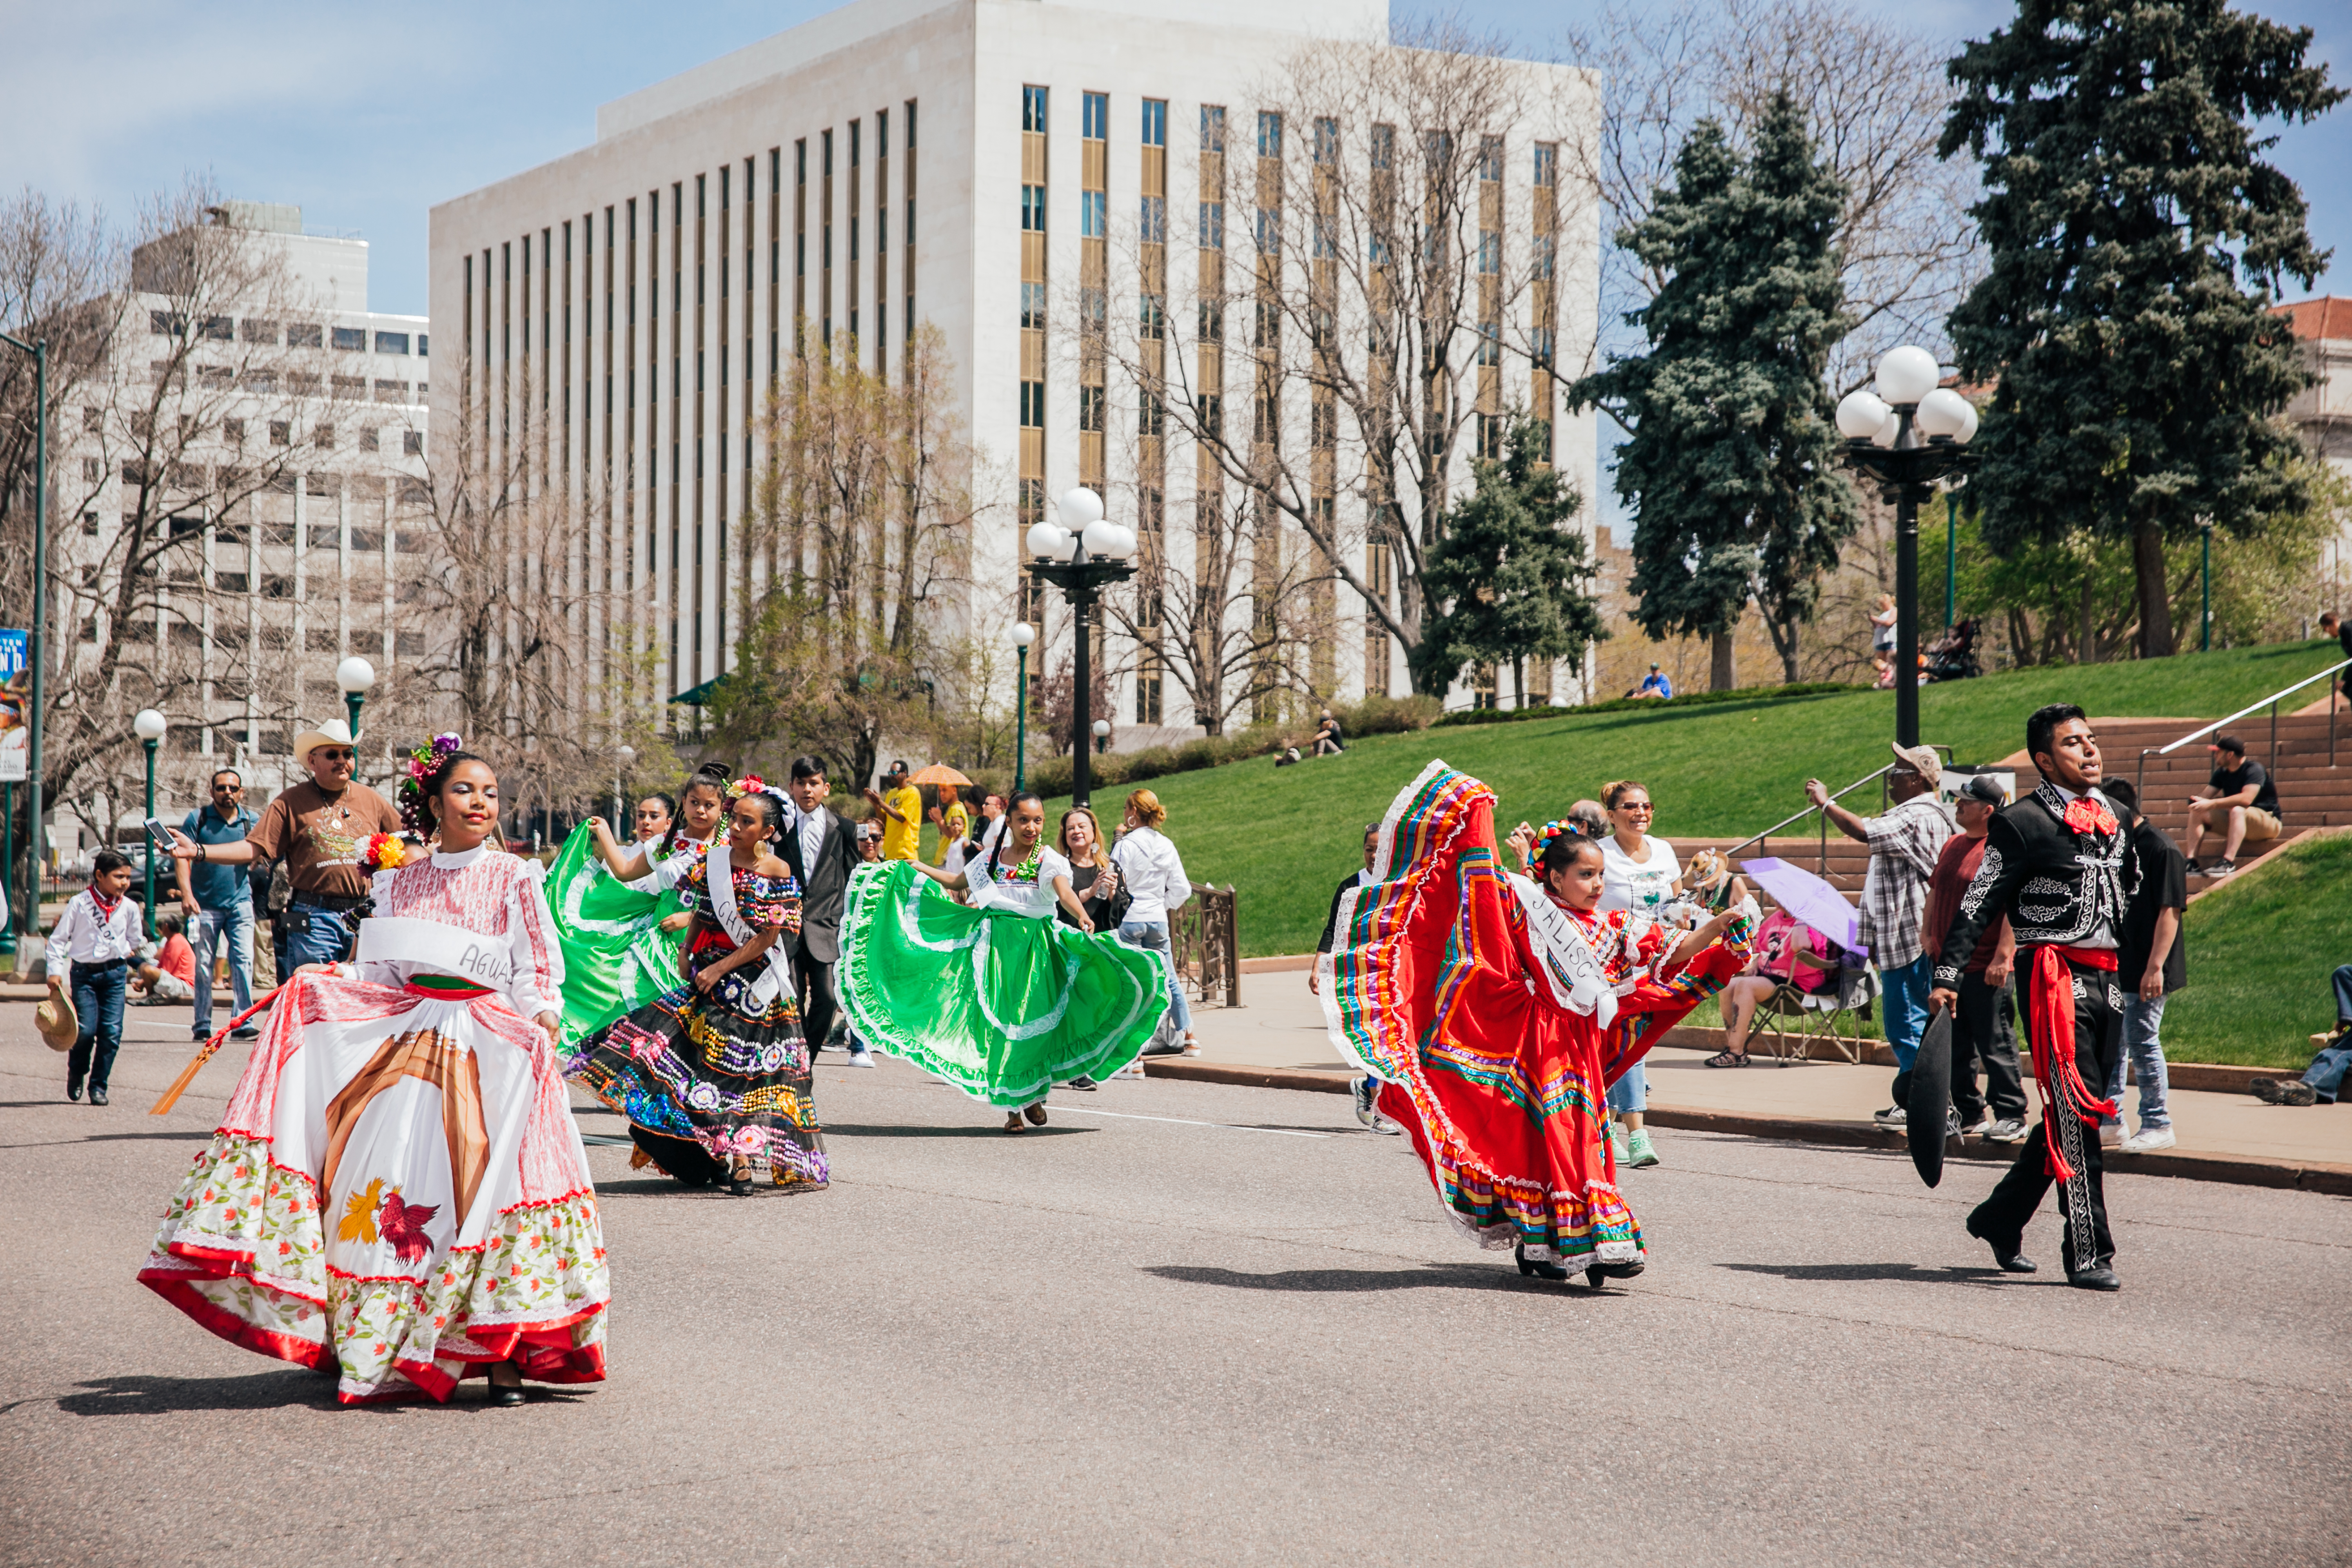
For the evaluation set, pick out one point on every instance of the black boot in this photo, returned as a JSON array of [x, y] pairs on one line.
[[2004, 1250], [1530, 1267]]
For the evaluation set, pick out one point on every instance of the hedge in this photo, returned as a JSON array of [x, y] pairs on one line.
[[1627, 704], [1050, 777]]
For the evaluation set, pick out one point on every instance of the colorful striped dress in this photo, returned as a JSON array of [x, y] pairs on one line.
[[1498, 1020]]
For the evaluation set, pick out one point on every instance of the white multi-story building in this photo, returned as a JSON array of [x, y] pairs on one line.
[[236, 447], [2323, 412], [974, 164]]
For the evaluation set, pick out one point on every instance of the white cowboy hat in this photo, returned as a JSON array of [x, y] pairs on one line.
[[333, 732]]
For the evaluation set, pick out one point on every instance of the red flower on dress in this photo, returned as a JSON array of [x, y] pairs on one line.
[[2084, 815], [403, 1225]]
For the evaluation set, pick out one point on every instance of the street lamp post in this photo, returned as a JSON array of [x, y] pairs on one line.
[[1951, 559], [1102, 736], [1024, 634], [1083, 557], [38, 641], [354, 675], [149, 727], [2205, 634], [1906, 436]]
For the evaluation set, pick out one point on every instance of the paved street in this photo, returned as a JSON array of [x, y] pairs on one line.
[[1196, 1323]]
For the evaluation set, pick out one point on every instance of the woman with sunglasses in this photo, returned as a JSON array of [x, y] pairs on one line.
[[1640, 874]]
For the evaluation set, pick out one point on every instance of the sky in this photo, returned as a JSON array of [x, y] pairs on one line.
[[366, 115]]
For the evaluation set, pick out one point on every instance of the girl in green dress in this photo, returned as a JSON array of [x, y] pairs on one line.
[[998, 998]]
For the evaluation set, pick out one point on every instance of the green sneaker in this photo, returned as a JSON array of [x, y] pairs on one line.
[[1642, 1153], [1617, 1140]]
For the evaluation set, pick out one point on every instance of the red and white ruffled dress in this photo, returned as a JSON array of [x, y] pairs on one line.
[[398, 1189]]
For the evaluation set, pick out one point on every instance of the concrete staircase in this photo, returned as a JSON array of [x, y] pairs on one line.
[[2312, 793]]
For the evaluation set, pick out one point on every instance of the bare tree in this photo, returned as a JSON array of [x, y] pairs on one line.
[[865, 515], [1357, 294], [197, 404], [1872, 92]]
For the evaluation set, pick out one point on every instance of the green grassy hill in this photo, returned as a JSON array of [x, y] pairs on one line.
[[1286, 836], [2260, 952]]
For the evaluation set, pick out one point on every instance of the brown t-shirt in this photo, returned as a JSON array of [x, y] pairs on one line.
[[320, 837]]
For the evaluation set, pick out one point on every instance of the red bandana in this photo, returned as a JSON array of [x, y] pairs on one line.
[[2084, 815], [106, 906]]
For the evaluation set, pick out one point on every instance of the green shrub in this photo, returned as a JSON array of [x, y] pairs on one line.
[[1624, 704]]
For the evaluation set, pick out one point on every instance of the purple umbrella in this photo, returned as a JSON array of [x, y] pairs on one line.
[[1809, 899]]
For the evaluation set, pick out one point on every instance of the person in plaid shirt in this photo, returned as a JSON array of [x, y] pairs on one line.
[[1903, 845]]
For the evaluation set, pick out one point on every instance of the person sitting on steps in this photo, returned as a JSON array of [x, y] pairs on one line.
[[2242, 796]]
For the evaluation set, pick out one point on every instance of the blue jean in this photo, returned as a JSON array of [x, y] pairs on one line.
[[315, 936], [236, 924], [2145, 1052], [97, 996], [1631, 1094], [1153, 934], [2326, 1074], [1905, 988]]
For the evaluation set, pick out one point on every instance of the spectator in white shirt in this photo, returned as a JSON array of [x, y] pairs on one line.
[[1155, 885], [96, 936]]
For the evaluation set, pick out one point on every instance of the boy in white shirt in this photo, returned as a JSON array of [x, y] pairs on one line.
[[97, 935]]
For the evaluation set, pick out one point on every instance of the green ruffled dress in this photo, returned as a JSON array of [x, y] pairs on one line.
[[997, 996], [617, 958]]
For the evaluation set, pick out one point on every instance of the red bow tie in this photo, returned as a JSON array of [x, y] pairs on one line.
[[2084, 815]]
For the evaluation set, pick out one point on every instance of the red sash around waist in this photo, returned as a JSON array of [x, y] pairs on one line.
[[2052, 1036]]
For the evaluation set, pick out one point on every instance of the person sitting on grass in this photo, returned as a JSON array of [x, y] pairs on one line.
[[1328, 741], [2323, 1081], [1654, 685]]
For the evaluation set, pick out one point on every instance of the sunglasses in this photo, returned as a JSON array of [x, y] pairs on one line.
[[333, 754], [227, 789]]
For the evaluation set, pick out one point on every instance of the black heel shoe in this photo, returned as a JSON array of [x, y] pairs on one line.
[[507, 1396], [1531, 1269], [741, 1186]]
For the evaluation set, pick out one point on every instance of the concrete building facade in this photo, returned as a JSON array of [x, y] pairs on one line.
[[996, 169], [243, 448]]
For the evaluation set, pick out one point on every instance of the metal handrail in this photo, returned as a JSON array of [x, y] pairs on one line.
[[2272, 701], [1822, 809]]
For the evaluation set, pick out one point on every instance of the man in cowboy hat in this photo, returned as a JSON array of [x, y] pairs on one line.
[[318, 829], [1904, 841]]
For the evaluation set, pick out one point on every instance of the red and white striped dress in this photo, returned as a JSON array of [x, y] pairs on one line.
[[398, 1183]]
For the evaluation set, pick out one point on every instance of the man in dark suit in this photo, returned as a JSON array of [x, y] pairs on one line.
[[2059, 863], [820, 848]]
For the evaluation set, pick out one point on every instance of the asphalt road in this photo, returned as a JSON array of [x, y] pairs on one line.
[[1222, 1325]]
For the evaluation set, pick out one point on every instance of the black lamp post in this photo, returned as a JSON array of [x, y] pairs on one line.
[[1906, 436], [1081, 559], [149, 727]]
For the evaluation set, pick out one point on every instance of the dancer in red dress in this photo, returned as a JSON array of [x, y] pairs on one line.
[[1498, 1009]]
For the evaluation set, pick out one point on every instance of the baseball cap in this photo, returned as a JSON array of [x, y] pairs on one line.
[[1922, 759], [1983, 788], [2228, 744]]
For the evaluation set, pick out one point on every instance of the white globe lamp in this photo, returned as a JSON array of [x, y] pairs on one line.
[[1047, 541], [1079, 507], [1860, 414], [149, 726], [355, 674], [1907, 375], [1024, 634]]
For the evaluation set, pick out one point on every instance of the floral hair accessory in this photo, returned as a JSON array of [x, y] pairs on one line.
[[383, 853], [420, 764], [750, 784]]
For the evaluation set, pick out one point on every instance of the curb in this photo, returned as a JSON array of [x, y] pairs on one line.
[[2233, 1169]]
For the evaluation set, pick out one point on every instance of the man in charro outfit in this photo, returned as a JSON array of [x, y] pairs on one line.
[[2060, 865]]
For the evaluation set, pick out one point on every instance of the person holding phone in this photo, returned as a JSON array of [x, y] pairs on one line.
[[217, 896], [316, 829]]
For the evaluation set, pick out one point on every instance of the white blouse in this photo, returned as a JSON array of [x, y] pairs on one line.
[[988, 879], [1645, 885], [486, 893]]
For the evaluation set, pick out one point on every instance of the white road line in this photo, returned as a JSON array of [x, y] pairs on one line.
[[1182, 1121]]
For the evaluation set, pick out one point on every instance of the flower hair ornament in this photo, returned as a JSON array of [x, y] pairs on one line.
[[752, 783], [383, 852], [419, 765]]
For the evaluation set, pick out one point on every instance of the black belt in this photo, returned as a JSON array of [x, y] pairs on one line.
[[337, 902], [102, 968]]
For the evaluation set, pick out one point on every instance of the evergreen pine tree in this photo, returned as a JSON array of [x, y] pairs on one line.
[[1730, 469], [1504, 581], [2136, 241]]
